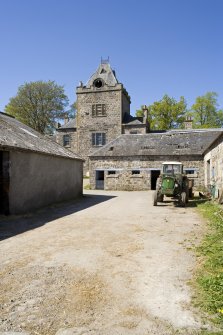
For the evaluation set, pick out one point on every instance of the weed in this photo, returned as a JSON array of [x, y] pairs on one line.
[[87, 187]]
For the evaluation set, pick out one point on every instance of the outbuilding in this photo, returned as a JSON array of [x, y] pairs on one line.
[[213, 168], [133, 161], [34, 171]]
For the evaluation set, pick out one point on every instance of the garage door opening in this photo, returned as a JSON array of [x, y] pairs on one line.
[[4, 182], [100, 176], [154, 175]]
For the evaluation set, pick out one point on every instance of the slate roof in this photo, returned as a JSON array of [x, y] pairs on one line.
[[134, 122], [128, 119], [174, 142], [16, 135], [104, 72], [69, 125]]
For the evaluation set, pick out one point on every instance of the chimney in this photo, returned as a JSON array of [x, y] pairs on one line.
[[57, 125], [145, 114], [66, 118], [188, 123]]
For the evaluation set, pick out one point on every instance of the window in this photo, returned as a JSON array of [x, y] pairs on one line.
[[172, 168], [98, 110], [98, 139], [111, 172], [66, 140], [135, 171], [190, 171]]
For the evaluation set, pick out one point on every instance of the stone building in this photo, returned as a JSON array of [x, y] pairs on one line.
[[103, 113], [66, 135], [34, 171], [213, 167], [121, 151], [133, 162]]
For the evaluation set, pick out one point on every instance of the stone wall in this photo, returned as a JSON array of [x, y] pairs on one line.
[[213, 168], [126, 177], [125, 104]]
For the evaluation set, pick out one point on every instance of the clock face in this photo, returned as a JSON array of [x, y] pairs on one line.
[[98, 83]]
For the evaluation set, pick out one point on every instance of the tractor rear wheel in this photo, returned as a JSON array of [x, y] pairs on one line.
[[155, 196], [190, 192], [183, 199], [187, 195]]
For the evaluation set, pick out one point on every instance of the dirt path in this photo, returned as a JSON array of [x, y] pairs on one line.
[[108, 264]]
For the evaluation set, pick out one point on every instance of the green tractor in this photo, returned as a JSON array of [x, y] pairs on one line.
[[172, 183]]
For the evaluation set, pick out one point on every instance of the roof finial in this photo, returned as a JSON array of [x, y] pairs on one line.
[[105, 61]]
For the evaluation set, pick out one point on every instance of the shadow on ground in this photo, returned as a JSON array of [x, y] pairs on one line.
[[17, 224], [197, 201], [192, 203]]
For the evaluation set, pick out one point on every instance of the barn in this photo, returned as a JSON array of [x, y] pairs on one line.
[[34, 171], [133, 161]]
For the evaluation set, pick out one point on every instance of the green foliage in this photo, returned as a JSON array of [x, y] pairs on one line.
[[205, 112], [87, 187], [38, 104], [166, 113], [71, 113], [210, 275], [169, 113]]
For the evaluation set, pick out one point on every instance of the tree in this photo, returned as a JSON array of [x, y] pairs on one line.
[[205, 111], [71, 113], [166, 113], [38, 104]]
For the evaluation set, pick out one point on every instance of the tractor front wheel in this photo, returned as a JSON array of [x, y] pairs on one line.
[[183, 199], [155, 196]]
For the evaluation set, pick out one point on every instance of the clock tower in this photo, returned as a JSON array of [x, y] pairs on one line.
[[102, 105]]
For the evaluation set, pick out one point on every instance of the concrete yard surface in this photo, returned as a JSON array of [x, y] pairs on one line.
[[110, 263]]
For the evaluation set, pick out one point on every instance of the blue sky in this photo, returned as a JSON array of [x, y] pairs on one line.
[[157, 47]]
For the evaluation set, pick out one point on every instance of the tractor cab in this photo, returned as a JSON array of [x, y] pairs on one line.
[[172, 168]]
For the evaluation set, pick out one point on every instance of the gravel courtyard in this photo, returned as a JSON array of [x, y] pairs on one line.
[[108, 264]]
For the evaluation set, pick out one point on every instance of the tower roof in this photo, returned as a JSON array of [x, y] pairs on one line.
[[105, 73]]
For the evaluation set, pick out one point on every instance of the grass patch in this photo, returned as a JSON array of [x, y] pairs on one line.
[[209, 276], [87, 187]]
